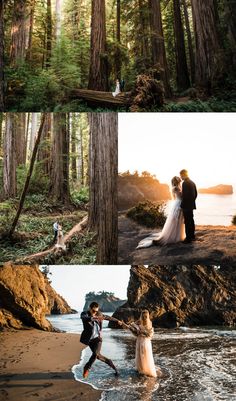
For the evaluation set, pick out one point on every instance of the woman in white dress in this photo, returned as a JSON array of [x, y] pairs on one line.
[[60, 239], [143, 330], [173, 230], [117, 90]]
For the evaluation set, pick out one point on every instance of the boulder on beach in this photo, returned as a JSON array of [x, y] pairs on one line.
[[181, 296]]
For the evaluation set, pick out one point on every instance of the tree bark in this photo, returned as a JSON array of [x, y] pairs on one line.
[[98, 73], [182, 76], [27, 181], [103, 211], [9, 158], [30, 30], [190, 42], [118, 54], [143, 34], [158, 43], [59, 171], [2, 105], [48, 34], [230, 16], [45, 145], [34, 124], [208, 59], [74, 155], [58, 19], [20, 128], [18, 32]]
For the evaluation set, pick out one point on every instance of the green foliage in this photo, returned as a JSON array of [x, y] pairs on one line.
[[148, 214], [98, 295], [80, 196], [212, 105]]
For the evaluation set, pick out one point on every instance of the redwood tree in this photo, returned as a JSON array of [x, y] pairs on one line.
[[209, 61], [18, 32], [103, 212], [59, 171], [182, 76], [98, 73], [1, 57], [9, 157], [158, 43], [44, 150]]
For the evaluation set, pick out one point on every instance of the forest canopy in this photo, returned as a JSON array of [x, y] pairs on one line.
[[55, 48]]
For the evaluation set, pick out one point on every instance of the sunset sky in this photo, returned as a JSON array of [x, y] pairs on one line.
[[165, 143]]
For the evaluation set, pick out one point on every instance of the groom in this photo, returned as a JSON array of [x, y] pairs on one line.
[[91, 336], [188, 204]]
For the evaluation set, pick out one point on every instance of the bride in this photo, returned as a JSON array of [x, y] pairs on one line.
[[117, 90], [143, 330], [173, 230]]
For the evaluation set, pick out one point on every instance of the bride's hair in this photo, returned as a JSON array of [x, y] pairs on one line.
[[148, 322], [175, 181]]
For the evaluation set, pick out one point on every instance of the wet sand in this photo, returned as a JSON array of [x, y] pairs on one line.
[[36, 365]]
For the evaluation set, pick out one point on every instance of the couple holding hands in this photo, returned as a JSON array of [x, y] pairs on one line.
[[142, 329]]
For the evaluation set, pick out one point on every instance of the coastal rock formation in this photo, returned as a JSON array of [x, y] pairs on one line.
[[181, 296], [133, 189], [214, 245], [217, 190], [26, 297], [57, 305], [106, 300]]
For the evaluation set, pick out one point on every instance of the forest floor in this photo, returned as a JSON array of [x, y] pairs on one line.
[[214, 245], [35, 233]]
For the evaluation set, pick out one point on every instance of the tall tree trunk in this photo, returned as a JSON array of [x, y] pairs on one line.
[[118, 54], [48, 34], [74, 141], [59, 172], [103, 212], [2, 106], [182, 76], [18, 32], [34, 125], [208, 59], [9, 157], [27, 181], [30, 30], [20, 128], [81, 158], [143, 34], [158, 43], [230, 7], [58, 11], [45, 145], [98, 73], [190, 42]]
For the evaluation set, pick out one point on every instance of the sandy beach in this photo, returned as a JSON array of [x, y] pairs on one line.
[[36, 365]]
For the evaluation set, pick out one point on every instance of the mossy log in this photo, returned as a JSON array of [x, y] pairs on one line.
[[106, 98]]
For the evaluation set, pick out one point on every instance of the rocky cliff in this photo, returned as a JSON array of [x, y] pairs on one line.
[[181, 296], [26, 297], [217, 190], [134, 189], [107, 301]]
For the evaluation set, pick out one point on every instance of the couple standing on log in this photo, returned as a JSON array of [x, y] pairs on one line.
[[120, 85]]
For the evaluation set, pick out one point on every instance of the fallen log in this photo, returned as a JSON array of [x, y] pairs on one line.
[[36, 257], [91, 96]]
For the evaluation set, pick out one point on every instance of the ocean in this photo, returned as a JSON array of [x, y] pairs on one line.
[[198, 364], [214, 209]]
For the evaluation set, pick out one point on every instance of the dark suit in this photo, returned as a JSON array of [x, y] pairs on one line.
[[188, 204], [94, 344]]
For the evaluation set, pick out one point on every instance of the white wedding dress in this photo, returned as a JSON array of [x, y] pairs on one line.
[[173, 230], [117, 90], [144, 361]]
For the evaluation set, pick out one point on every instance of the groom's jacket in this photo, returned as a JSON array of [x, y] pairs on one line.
[[88, 324], [189, 195]]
